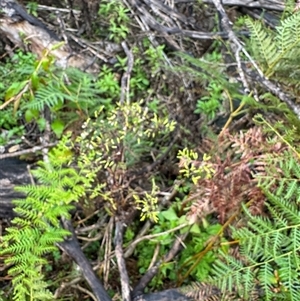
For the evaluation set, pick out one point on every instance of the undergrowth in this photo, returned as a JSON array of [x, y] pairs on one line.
[[238, 193], [108, 149], [36, 229], [268, 243]]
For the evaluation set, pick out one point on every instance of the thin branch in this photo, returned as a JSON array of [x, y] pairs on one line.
[[130, 249], [82, 289], [121, 262], [107, 245], [27, 151], [143, 282], [151, 236], [125, 82], [71, 246], [260, 78], [272, 4], [235, 44]]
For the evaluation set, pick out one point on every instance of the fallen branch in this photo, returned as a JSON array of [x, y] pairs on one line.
[[71, 246], [267, 4], [121, 262], [26, 31]]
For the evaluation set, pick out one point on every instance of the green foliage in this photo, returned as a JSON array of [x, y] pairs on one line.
[[189, 171], [289, 8], [277, 52], [118, 142], [108, 84], [154, 56], [210, 104], [269, 245], [36, 229], [20, 66], [30, 85], [240, 22], [32, 8], [145, 58], [12, 73], [80, 93], [287, 134], [148, 204], [34, 85], [213, 84], [140, 78], [116, 13], [195, 245], [167, 220], [210, 70], [128, 129], [11, 128]]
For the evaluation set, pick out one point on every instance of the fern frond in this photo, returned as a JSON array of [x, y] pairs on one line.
[[36, 289], [79, 91], [206, 292], [288, 37], [278, 52], [37, 229], [269, 245], [208, 71], [48, 95], [35, 192], [262, 41]]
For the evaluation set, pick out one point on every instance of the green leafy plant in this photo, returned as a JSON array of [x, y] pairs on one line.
[[194, 245], [210, 104], [70, 94], [11, 129], [154, 56], [117, 14], [277, 51], [108, 84], [148, 204], [115, 145], [166, 221], [36, 229], [139, 80], [175, 218], [32, 8], [215, 91], [164, 236]]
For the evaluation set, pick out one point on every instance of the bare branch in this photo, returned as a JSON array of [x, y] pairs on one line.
[[121, 262]]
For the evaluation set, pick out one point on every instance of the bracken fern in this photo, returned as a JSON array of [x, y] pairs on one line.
[[277, 52], [36, 229], [269, 245]]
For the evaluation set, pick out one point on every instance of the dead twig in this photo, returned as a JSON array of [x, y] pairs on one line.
[[82, 289], [125, 81], [121, 262], [71, 246], [177, 245], [27, 151], [151, 236], [107, 245], [235, 44], [270, 4]]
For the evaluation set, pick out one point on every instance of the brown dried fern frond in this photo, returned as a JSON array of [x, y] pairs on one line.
[[235, 159], [201, 291], [206, 292]]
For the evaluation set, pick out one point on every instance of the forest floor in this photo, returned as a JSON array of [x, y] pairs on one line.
[[180, 71]]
